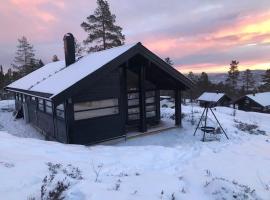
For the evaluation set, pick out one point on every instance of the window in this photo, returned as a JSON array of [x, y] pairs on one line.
[[151, 114], [20, 97], [41, 104], [150, 108], [33, 99], [25, 98], [133, 102], [150, 100], [135, 110], [92, 109], [60, 111], [48, 107], [134, 95], [134, 116]]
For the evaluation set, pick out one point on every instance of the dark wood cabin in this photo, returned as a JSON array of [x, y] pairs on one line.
[[213, 99], [259, 102], [99, 97]]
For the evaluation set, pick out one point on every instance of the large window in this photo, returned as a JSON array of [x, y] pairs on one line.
[[92, 109], [60, 111]]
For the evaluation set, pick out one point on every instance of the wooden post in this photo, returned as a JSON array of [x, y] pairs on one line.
[[157, 99], [123, 95], [178, 119], [143, 126]]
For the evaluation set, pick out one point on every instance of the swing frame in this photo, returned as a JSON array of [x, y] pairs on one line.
[[205, 128]]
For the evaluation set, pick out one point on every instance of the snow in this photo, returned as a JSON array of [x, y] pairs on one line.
[[30, 81], [15, 127], [54, 78], [210, 97], [171, 163], [261, 98]]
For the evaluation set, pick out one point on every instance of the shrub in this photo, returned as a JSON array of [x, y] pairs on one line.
[[249, 128], [52, 188]]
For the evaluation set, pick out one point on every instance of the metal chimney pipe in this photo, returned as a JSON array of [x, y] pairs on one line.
[[69, 47]]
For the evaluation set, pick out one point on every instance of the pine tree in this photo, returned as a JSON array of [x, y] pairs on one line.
[[266, 81], [79, 49], [192, 77], [24, 60], [1, 77], [102, 31], [203, 82], [248, 80], [55, 58], [40, 63], [169, 61], [233, 75]]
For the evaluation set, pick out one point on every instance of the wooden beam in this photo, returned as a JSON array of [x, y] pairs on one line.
[[157, 99], [178, 111], [123, 105], [143, 126]]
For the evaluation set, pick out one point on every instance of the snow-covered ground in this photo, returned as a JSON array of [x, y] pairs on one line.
[[170, 165], [15, 127]]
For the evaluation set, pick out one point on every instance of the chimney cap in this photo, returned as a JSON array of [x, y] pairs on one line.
[[68, 35]]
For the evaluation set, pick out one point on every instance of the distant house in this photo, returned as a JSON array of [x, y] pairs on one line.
[[259, 102], [100, 96], [213, 99]]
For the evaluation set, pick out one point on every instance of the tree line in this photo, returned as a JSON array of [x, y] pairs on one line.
[[235, 85]]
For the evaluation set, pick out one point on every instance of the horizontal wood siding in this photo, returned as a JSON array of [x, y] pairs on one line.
[[93, 130]]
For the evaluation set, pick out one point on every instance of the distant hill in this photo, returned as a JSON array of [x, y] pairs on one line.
[[221, 77]]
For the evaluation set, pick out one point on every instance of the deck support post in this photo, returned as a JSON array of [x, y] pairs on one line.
[[143, 126], [178, 119]]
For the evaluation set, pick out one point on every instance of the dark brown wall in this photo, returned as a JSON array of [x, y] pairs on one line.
[[93, 130], [250, 106]]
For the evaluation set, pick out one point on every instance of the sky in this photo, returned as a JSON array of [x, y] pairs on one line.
[[198, 35]]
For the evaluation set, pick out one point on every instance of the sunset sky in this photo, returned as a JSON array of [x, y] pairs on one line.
[[199, 35]]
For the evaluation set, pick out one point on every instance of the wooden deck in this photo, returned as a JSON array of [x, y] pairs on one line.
[[162, 126]]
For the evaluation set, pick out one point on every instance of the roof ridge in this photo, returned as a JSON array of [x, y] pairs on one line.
[[45, 78]]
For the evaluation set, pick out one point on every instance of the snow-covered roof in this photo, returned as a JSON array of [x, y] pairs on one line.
[[55, 77], [261, 98], [211, 97]]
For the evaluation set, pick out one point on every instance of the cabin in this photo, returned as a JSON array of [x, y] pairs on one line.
[[213, 99], [99, 97], [257, 102]]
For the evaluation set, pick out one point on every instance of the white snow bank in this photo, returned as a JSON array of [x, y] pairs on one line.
[[16, 127], [172, 163]]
